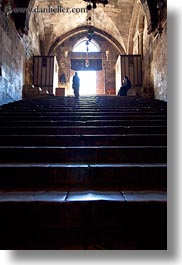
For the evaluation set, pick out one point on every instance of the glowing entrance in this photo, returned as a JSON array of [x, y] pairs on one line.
[[87, 82], [87, 78]]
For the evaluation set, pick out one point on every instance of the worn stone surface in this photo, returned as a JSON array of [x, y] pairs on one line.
[[160, 67], [16, 58], [11, 78], [155, 65], [153, 48], [121, 205], [32, 44]]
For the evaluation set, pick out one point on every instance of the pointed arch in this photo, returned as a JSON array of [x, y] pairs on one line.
[[73, 32]]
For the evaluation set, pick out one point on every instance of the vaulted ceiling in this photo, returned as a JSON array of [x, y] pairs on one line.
[[111, 21], [114, 21]]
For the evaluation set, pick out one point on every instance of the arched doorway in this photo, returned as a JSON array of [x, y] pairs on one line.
[[88, 77], [73, 48]]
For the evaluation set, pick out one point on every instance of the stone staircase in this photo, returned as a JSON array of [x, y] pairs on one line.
[[86, 173]]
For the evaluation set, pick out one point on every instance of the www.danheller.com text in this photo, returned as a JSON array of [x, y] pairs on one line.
[[49, 9]]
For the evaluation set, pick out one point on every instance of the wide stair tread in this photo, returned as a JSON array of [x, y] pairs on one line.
[[83, 174]]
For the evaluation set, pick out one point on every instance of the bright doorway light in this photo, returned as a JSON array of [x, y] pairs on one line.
[[87, 82]]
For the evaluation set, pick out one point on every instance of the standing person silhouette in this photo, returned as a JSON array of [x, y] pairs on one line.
[[76, 84]]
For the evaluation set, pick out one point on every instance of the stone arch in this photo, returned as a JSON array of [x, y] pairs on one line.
[[30, 5], [144, 5], [135, 14], [73, 32], [142, 9]]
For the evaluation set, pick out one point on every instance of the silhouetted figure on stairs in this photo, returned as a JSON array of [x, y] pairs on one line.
[[76, 84], [126, 85]]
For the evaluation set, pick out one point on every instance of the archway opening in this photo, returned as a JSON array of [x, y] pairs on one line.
[[87, 78]]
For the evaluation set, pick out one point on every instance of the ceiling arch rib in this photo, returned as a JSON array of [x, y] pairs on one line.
[[74, 32]]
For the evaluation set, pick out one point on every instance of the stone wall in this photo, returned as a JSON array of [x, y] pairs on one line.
[[33, 46], [11, 62], [160, 67], [16, 57], [153, 48], [155, 65]]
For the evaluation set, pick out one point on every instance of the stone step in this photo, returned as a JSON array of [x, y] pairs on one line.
[[83, 102], [102, 102], [92, 122], [139, 216], [128, 176], [85, 111], [84, 140], [92, 174], [86, 105], [90, 111], [81, 154], [61, 117], [78, 113], [82, 130]]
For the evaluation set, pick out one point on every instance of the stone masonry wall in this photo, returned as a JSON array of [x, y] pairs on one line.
[[160, 67], [153, 48], [16, 58], [33, 47], [11, 62], [155, 65]]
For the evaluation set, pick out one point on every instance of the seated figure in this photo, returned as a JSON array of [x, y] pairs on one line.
[[125, 87]]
